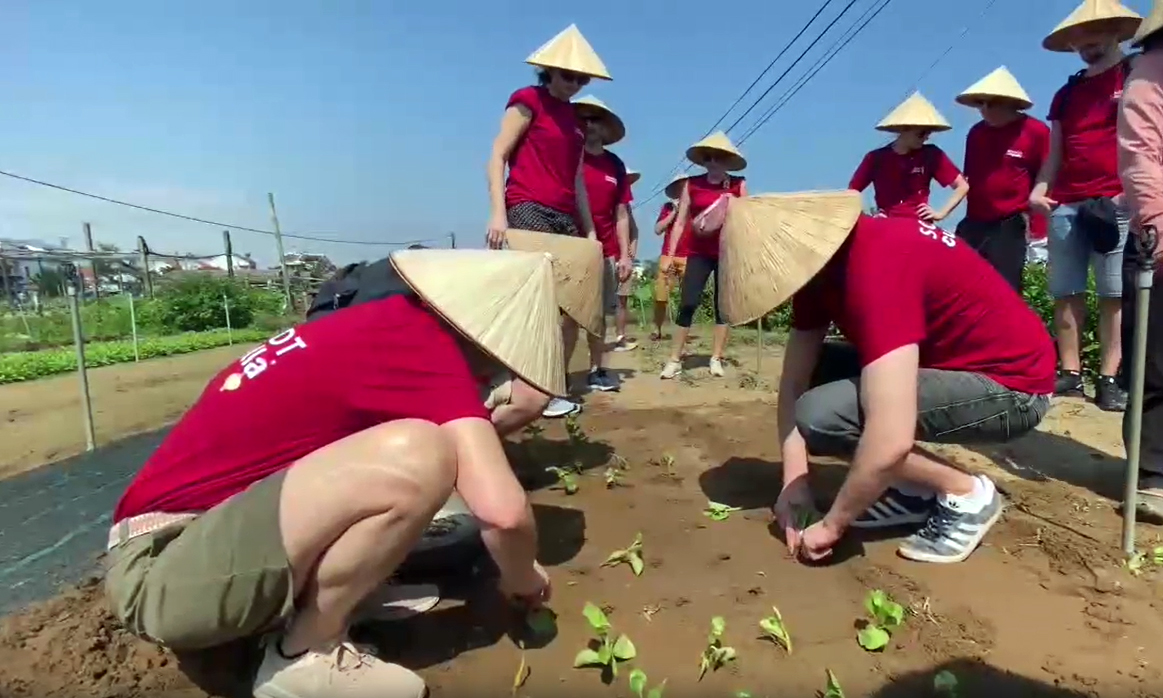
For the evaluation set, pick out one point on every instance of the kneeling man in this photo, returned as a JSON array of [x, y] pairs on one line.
[[939, 348]]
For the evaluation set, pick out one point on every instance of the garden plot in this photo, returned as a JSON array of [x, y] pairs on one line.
[[668, 582]]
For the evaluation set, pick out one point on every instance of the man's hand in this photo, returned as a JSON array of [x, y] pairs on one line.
[[926, 213], [1043, 204], [532, 592], [794, 503], [665, 264], [625, 268], [817, 540], [495, 236]]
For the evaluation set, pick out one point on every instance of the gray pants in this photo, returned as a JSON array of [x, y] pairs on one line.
[[953, 407]]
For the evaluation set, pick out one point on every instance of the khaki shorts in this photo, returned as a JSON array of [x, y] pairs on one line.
[[663, 283], [612, 289], [220, 577]]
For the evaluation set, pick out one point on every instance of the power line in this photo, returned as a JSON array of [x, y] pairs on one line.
[[205, 221], [661, 184], [949, 48], [858, 26]]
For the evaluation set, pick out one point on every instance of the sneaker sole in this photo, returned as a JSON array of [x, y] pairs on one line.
[[919, 556], [558, 415], [605, 388]]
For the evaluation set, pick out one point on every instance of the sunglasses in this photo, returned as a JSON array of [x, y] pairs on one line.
[[575, 78]]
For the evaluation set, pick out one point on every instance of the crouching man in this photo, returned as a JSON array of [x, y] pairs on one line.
[[940, 348], [307, 471]]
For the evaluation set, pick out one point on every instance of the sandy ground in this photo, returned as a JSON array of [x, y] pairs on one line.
[[1044, 608]]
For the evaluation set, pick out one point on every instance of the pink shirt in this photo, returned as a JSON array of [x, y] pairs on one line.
[[1141, 139]]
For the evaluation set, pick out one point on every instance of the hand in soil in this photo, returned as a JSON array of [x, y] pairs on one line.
[[794, 500], [530, 593], [817, 541]]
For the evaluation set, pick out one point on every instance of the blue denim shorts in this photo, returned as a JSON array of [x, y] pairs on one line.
[[1071, 257]]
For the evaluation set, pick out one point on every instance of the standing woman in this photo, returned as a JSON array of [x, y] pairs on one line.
[[670, 268], [700, 193], [540, 141], [901, 172]]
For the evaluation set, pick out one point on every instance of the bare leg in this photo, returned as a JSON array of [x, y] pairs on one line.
[[351, 512], [720, 341], [1069, 319], [597, 347], [659, 317], [1110, 319], [680, 337], [929, 472], [620, 318], [569, 330]]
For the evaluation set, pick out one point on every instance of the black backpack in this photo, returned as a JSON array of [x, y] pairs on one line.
[[358, 283], [1124, 67]]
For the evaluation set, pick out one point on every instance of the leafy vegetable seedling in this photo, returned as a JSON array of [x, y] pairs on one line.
[[615, 472], [522, 674], [806, 516], [1140, 561], [566, 479], [603, 651], [886, 616], [774, 629], [631, 556], [542, 622], [577, 435], [668, 465], [719, 512], [945, 683], [715, 656], [832, 689], [638, 683]]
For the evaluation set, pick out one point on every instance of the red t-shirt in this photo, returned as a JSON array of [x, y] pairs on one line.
[[702, 194], [901, 182], [684, 242], [303, 389], [1001, 164], [543, 166], [607, 188], [1087, 113], [900, 281]]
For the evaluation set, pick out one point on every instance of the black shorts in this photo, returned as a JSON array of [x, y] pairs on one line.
[[1001, 243], [541, 219]]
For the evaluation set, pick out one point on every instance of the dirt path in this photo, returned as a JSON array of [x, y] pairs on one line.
[[42, 419], [1042, 609]]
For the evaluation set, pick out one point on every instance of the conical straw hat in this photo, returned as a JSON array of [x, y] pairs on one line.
[[614, 128], [504, 302], [569, 50], [632, 176], [914, 112], [1093, 15], [578, 267], [719, 143], [1150, 25], [773, 244], [1001, 83], [674, 189]]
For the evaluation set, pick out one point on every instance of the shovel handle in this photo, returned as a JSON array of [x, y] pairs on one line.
[[1145, 242]]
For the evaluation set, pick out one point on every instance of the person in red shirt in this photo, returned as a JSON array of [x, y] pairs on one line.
[[940, 348], [900, 172], [1080, 175], [540, 142], [702, 205], [307, 470], [670, 269], [1003, 155]]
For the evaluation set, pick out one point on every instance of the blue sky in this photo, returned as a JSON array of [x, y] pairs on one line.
[[371, 120]]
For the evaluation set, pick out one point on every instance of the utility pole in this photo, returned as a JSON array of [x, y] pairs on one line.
[[452, 239], [88, 235], [282, 254], [143, 256], [229, 254]]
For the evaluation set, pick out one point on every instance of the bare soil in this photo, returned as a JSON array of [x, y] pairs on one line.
[[1044, 608]]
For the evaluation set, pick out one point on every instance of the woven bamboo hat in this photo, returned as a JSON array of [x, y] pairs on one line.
[[1000, 84], [570, 51], [1150, 25], [504, 302], [612, 124], [632, 177], [1093, 16], [773, 244], [674, 189], [914, 112], [719, 144], [578, 267]]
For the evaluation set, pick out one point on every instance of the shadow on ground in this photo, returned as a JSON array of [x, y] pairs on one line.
[[532, 456], [1040, 455], [973, 678]]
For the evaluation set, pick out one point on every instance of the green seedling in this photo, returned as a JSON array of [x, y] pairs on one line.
[[1141, 561], [615, 471], [667, 464], [743, 694], [832, 688], [577, 435], [886, 616], [774, 629], [631, 556], [541, 623], [638, 682], [945, 683], [604, 650], [715, 656], [806, 516], [719, 512], [534, 431], [566, 479], [522, 674]]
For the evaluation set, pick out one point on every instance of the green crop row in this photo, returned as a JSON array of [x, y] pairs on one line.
[[30, 365]]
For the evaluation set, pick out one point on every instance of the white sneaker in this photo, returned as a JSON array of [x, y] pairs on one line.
[[671, 370], [559, 407], [346, 671], [716, 365], [623, 344]]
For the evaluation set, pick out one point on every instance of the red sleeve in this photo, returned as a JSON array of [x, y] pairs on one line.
[[425, 376], [945, 172], [808, 311], [862, 177], [875, 284], [527, 97], [664, 211], [1055, 113]]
